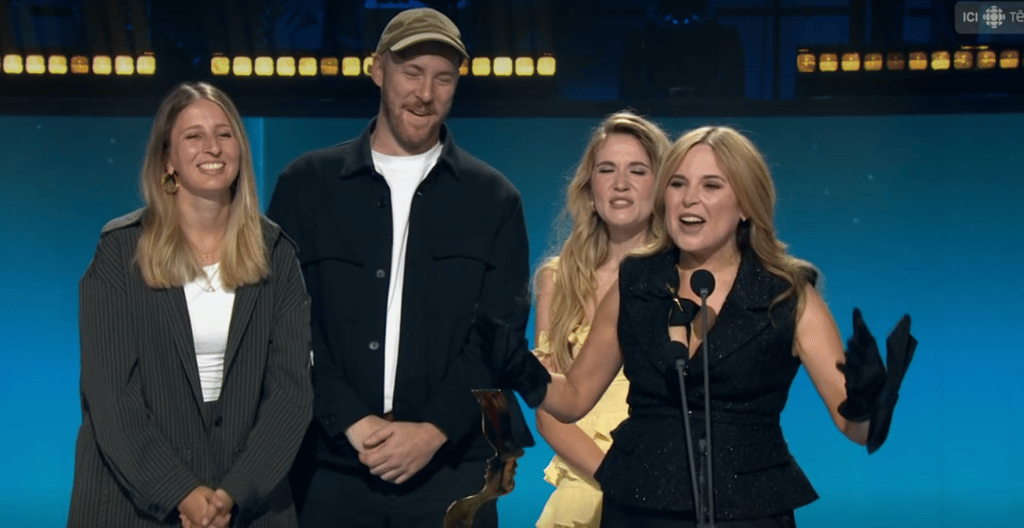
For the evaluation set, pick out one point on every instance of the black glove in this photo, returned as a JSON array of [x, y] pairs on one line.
[[900, 347], [864, 370], [872, 389], [508, 358]]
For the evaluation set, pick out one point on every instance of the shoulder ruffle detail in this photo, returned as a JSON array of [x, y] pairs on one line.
[[542, 348]]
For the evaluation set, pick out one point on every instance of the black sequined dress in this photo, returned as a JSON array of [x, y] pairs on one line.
[[751, 370]]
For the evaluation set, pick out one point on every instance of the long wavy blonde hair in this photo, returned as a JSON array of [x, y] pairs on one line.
[[748, 174], [586, 247], [164, 255]]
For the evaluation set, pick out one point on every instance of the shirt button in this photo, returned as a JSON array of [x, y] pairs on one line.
[[374, 345], [380, 274]]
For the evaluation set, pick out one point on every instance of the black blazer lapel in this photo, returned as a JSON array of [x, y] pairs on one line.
[[743, 313], [241, 313], [245, 302], [645, 305], [738, 325], [174, 312]]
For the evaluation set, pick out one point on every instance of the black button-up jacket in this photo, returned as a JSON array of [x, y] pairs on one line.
[[467, 248]]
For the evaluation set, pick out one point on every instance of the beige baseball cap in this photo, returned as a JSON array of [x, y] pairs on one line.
[[421, 24]]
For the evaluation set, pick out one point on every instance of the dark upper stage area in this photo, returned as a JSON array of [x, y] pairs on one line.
[[661, 57]]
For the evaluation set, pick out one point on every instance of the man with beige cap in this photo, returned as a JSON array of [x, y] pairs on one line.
[[403, 237]]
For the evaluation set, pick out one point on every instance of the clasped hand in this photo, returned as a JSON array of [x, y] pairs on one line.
[[395, 451], [206, 508]]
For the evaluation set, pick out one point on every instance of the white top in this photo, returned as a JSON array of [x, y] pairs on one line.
[[209, 310], [403, 175]]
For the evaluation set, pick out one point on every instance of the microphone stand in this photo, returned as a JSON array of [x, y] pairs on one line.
[[682, 354], [680, 367], [707, 407], [702, 282]]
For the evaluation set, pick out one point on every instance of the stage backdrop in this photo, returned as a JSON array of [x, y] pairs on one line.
[[915, 214]]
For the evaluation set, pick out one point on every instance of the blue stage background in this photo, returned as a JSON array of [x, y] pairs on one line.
[[901, 213]]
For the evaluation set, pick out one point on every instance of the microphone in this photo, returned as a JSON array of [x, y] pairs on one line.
[[702, 282], [676, 354]]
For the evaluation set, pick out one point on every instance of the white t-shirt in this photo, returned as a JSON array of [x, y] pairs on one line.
[[209, 311], [403, 175]]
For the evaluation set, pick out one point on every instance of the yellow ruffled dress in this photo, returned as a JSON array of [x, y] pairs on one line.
[[576, 501]]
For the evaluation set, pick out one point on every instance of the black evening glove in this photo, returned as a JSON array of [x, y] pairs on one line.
[[864, 370], [871, 389], [508, 358], [900, 347]]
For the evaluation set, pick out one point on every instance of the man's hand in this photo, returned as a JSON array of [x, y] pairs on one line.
[[398, 450], [363, 428]]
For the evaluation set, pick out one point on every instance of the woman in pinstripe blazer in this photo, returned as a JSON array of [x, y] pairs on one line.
[[195, 342]]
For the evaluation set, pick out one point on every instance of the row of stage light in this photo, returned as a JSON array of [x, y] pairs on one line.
[[244, 66], [56, 64], [287, 66], [965, 58]]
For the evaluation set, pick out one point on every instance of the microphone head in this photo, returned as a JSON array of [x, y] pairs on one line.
[[702, 282], [675, 355]]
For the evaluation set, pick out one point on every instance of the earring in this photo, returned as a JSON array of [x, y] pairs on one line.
[[170, 182]]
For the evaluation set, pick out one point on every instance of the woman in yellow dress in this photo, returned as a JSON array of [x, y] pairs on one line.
[[610, 202]]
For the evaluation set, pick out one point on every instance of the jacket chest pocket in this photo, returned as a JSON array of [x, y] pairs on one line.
[[331, 273], [457, 266]]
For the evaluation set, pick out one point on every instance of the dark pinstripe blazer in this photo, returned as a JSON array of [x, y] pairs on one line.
[[147, 438]]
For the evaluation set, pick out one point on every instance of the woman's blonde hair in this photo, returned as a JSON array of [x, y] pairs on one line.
[[164, 255], [586, 246], [745, 169]]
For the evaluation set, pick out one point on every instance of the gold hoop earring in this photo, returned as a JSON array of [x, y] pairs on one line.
[[170, 182]]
